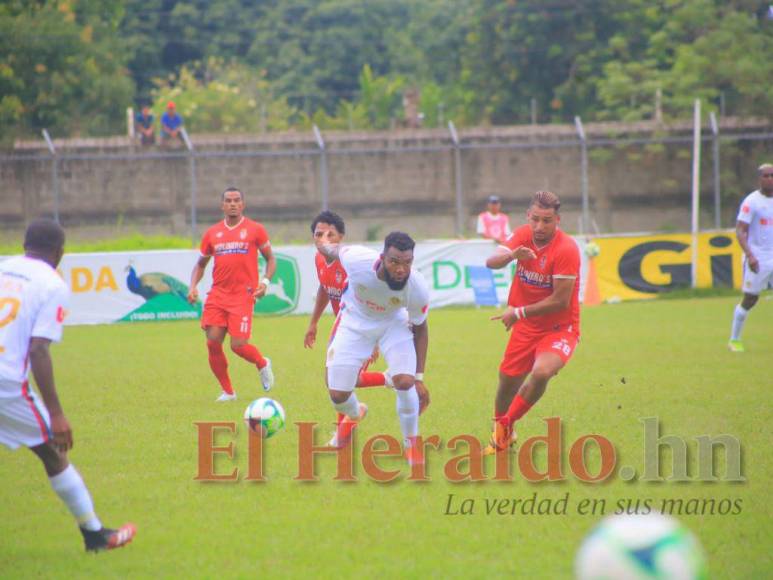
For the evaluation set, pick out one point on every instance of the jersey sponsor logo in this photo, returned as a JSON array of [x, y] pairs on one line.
[[537, 279], [226, 248], [334, 293]]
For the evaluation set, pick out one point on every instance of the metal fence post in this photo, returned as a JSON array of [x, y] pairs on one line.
[[457, 179], [54, 172], [194, 184], [323, 178], [583, 175], [715, 156]]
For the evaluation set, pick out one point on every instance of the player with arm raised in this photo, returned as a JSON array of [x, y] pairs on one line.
[[329, 228], [385, 304], [236, 285], [542, 315], [33, 303], [754, 229]]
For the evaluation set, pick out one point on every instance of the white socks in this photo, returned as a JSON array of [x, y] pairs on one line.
[[350, 407], [739, 317], [69, 486], [408, 411]]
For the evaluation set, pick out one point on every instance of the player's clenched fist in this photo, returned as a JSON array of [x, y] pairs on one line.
[[523, 253], [193, 296]]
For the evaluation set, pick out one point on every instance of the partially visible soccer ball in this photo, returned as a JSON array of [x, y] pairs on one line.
[[265, 416], [639, 547], [592, 249]]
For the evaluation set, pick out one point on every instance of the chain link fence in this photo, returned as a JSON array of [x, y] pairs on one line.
[[433, 182]]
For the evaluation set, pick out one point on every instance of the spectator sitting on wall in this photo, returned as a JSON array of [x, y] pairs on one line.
[[144, 126], [492, 223], [171, 125]]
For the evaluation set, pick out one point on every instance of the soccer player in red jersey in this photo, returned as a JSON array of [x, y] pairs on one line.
[[542, 315], [234, 243]]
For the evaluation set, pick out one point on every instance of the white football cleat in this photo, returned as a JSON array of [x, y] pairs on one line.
[[267, 375], [225, 397]]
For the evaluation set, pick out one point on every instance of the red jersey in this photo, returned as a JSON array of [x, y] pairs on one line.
[[235, 249], [533, 280], [332, 277]]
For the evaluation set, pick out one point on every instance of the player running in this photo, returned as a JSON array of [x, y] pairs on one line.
[[234, 243], [543, 313], [329, 228], [754, 230], [33, 303], [385, 304]]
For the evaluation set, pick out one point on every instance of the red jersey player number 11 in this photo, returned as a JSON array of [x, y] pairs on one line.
[[234, 243]]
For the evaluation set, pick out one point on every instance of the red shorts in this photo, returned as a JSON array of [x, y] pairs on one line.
[[524, 346], [236, 318]]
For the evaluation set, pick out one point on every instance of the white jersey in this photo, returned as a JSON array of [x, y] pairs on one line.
[[33, 303], [368, 301], [757, 211]]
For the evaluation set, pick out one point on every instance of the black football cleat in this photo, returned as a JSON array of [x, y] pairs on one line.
[[107, 539]]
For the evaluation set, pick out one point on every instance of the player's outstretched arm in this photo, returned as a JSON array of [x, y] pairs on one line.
[[320, 303], [43, 371], [557, 301], [196, 276], [742, 233]]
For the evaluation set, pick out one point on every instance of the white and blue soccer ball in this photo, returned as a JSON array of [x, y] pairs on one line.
[[265, 416], [592, 249], [640, 547]]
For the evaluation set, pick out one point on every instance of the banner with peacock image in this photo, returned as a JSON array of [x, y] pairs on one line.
[[166, 297]]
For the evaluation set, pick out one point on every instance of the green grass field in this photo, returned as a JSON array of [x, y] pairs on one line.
[[133, 392]]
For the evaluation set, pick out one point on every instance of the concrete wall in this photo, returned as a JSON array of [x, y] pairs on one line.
[[377, 180]]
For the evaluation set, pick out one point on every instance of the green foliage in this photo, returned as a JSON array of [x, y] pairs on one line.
[[73, 66], [62, 67], [223, 97]]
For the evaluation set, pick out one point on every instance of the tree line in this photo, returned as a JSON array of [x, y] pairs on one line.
[[73, 66]]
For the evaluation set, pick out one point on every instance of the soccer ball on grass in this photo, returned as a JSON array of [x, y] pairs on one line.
[[640, 547], [265, 416]]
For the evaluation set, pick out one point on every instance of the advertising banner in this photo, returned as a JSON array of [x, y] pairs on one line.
[[636, 267], [153, 285]]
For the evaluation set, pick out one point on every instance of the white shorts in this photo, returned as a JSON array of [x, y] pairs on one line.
[[351, 347], [23, 419], [755, 283]]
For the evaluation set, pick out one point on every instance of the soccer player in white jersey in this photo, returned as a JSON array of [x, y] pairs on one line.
[[33, 303], [385, 304], [754, 229]]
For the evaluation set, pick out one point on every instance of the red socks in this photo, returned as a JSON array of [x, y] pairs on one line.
[[251, 354], [518, 408], [219, 365], [367, 379]]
